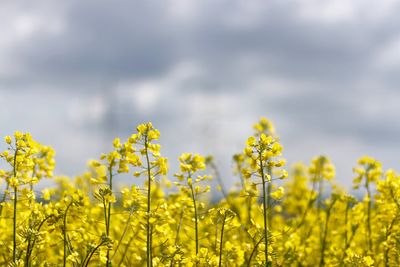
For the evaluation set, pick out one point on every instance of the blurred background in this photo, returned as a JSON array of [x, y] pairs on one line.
[[78, 73]]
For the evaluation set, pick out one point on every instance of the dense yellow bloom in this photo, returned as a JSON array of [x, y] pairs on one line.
[[95, 220]]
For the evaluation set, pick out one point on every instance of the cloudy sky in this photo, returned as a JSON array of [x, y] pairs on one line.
[[77, 73]]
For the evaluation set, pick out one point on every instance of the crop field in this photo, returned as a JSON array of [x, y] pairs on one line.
[[276, 215]]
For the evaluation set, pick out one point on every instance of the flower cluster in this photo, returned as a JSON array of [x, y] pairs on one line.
[[271, 217]]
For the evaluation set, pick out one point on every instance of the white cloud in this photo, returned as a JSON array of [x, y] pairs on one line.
[[389, 56], [87, 109], [334, 11], [345, 11], [145, 96]]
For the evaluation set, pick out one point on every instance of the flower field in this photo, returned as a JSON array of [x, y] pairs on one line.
[[276, 215]]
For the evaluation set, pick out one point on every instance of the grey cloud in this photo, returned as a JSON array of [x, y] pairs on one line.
[[136, 39], [326, 72]]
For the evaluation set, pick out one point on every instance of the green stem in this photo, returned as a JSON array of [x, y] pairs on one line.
[[269, 199], [126, 249], [4, 198], [216, 238], [65, 234], [178, 229], [345, 222], [369, 207], [31, 244], [248, 201], [123, 233], [319, 198], [15, 208], [31, 185], [219, 180], [253, 251], [265, 213], [325, 234], [221, 240], [89, 257], [149, 240], [15, 225], [346, 238], [320, 192], [353, 233], [195, 219], [108, 218]]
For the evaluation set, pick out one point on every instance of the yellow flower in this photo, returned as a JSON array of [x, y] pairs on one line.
[[117, 143], [251, 141], [153, 135], [142, 128], [368, 261], [278, 194], [162, 164], [8, 139], [46, 194], [18, 135], [14, 182]]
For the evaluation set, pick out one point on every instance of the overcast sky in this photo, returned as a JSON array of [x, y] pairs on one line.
[[77, 73]]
